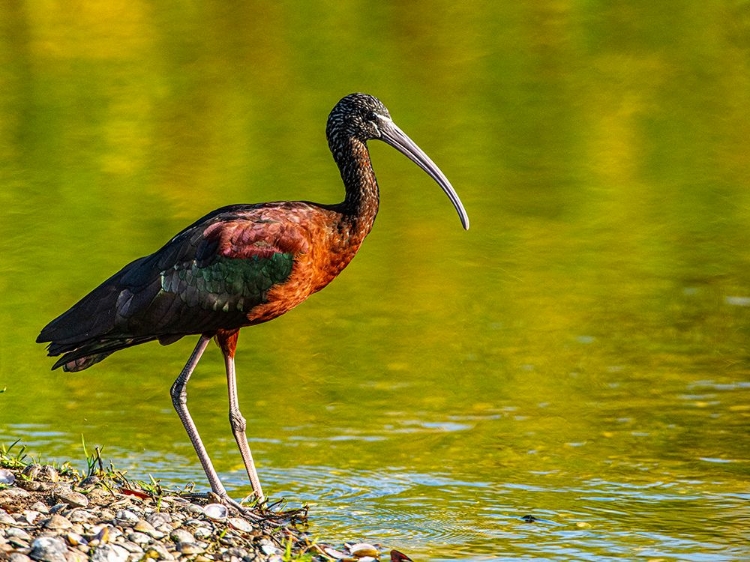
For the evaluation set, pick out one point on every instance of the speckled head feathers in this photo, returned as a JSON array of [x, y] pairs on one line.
[[356, 115]]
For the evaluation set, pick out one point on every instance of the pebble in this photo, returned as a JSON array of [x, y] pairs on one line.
[[181, 535], [6, 519], [17, 533], [76, 499], [6, 476], [158, 519], [44, 517], [139, 538], [11, 496], [48, 549], [147, 528], [158, 551], [188, 548], [40, 507], [31, 471], [240, 524], [110, 553], [126, 518], [74, 539], [48, 473], [268, 547], [363, 549], [202, 533], [57, 523]]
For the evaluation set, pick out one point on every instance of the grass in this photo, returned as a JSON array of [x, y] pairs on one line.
[[15, 456]]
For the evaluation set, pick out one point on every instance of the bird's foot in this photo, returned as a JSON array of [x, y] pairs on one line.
[[237, 506]]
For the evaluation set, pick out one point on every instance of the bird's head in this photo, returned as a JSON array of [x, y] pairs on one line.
[[364, 117], [360, 116]]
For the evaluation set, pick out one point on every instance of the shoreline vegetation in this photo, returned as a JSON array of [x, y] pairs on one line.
[[54, 513]]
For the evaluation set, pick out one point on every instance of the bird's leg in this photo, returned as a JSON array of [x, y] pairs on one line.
[[179, 400], [228, 343]]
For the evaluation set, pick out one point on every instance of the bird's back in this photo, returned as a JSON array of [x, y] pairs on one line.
[[237, 266]]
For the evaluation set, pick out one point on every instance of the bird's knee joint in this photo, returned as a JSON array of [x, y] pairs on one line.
[[238, 422], [179, 395]]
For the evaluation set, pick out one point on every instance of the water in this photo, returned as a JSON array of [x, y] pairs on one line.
[[580, 355]]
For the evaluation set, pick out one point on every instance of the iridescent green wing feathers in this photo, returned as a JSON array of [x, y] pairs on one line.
[[206, 278]]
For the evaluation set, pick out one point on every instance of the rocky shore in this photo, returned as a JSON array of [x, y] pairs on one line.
[[55, 514]]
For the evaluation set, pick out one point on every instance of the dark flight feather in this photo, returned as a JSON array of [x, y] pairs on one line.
[[195, 284]]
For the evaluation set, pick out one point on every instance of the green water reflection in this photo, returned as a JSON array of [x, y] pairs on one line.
[[582, 354]]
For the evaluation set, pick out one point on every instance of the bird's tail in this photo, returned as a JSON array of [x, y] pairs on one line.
[[80, 356]]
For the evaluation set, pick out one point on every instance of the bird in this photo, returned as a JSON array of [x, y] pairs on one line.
[[239, 266]]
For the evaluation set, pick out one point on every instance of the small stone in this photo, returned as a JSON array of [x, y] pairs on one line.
[[99, 497], [58, 523], [240, 524], [109, 553], [268, 547], [158, 519], [30, 516], [139, 538], [337, 554], [18, 557], [201, 533], [106, 515], [146, 527], [7, 477], [15, 532], [126, 518], [48, 549], [158, 551], [48, 473], [188, 548], [181, 536], [75, 499], [32, 485], [18, 542], [6, 519], [74, 539], [80, 516], [90, 481], [12, 496], [362, 549], [40, 507], [195, 509], [107, 533], [143, 526], [31, 471], [131, 547]]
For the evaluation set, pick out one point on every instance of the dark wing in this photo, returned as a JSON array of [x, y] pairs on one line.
[[207, 278]]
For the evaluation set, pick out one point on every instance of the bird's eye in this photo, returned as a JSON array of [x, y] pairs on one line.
[[371, 116]]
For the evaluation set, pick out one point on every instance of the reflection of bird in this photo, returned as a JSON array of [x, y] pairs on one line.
[[238, 266]]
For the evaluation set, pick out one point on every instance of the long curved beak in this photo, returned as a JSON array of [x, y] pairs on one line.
[[395, 137]]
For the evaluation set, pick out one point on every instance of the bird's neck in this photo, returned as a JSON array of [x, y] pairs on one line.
[[360, 206]]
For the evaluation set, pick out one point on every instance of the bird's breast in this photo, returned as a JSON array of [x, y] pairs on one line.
[[327, 252]]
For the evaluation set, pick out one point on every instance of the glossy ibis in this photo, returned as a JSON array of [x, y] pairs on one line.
[[239, 266]]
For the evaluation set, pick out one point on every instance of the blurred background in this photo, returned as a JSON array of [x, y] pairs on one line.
[[580, 355]]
